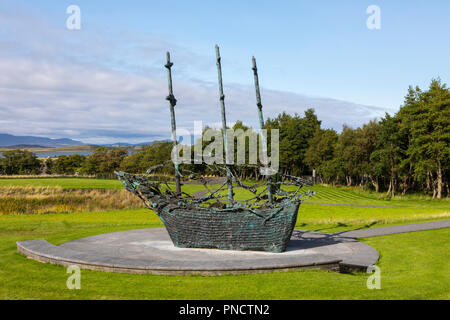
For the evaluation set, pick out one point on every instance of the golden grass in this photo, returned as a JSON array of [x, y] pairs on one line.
[[40, 200]]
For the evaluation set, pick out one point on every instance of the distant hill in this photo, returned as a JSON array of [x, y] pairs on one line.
[[7, 140], [126, 144], [25, 146]]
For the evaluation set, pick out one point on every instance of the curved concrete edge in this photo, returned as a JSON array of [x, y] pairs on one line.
[[43, 251], [366, 258], [363, 256]]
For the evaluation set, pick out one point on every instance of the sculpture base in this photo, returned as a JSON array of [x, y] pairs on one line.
[[152, 251]]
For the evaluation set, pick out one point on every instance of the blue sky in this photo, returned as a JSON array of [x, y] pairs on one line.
[[310, 54]]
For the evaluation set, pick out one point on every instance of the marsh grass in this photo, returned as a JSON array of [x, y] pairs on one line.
[[41, 200]]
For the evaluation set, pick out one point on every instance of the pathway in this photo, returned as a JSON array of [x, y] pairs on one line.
[[382, 231]]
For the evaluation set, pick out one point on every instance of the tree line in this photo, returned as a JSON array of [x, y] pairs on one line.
[[405, 152], [101, 163], [408, 151]]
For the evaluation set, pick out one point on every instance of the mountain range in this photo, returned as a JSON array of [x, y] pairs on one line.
[[129, 144], [7, 140], [24, 142]]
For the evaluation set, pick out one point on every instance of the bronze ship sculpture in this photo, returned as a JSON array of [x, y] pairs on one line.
[[216, 220]]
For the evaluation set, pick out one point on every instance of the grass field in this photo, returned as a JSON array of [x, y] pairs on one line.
[[324, 194], [414, 266], [312, 214], [67, 183], [42, 200], [81, 148]]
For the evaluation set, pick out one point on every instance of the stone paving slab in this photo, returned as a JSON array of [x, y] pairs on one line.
[[382, 231], [152, 251]]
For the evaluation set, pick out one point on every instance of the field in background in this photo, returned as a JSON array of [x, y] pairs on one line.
[[325, 194], [86, 147], [66, 183], [414, 266], [43, 200], [335, 207]]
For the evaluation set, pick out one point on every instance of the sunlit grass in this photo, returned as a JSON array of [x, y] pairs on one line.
[[413, 266], [55, 195], [66, 183]]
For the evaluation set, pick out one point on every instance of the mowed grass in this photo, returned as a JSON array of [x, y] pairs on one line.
[[413, 266], [66, 183], [77, 183], [353, 196], [324, 194], [312, 215], [344, 209]]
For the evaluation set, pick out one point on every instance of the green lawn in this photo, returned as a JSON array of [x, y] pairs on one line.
[[342, 195], [413, 266], [324, 194], [317, 211], [311, 215], [67, 183]]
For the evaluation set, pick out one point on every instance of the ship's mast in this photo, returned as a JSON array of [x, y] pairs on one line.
[[224, 127], [173, 102], [261, 123]]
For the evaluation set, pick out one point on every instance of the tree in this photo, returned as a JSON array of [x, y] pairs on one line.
[[68, 164], [295, 132], [346, 154], [148, 156], [366, 140], [321, 151], [19, 162], [103, 161], [388, 154], [426, 115]]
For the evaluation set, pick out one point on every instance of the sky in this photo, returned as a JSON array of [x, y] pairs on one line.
[[106, 82]]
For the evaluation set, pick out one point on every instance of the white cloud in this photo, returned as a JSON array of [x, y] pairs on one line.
[[92, 89], [57, 100]]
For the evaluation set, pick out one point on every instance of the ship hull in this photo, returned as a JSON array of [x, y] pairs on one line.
[[239, 228], [268, 231]]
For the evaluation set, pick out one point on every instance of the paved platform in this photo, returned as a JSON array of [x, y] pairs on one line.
[[152, 251]]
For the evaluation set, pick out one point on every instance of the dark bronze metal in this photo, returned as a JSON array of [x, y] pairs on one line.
[[200, 223], [224, 126], [264, 221], [261, 124], [173, 102]]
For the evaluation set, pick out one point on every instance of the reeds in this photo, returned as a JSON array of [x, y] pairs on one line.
[[40, 200]]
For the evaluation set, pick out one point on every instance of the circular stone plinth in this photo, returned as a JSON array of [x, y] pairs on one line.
[[152, 251]]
